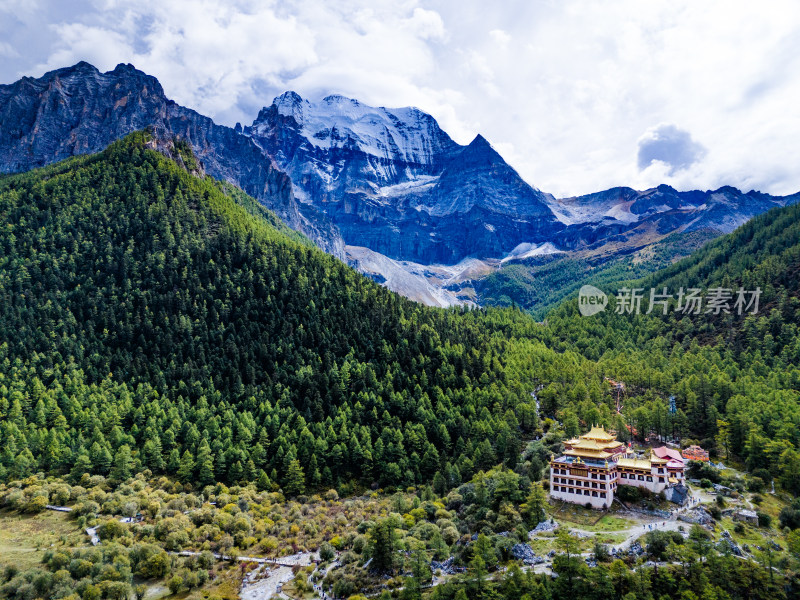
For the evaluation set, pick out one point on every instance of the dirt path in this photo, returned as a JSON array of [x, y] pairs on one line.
[[256, 588], [302, 559], [263, 583]]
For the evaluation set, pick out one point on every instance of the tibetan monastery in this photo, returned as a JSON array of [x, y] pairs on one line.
[[594, 464]]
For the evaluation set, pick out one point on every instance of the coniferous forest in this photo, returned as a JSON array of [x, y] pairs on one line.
[[149, 317], [161, 328]]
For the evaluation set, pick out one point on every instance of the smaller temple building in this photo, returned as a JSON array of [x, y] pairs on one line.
[[695, 453], [676, 464]]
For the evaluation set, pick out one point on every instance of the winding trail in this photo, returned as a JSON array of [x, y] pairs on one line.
[[302, 559]]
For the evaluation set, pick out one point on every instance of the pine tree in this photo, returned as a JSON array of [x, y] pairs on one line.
[[263, 483], [186, 467], [382, 539], [204, 467], [485, 549], [295, 481], [439, 484], [153, 458], [477, 570], [83, 464], [535, 505], [122, 463], [174, 461], [236, 472]]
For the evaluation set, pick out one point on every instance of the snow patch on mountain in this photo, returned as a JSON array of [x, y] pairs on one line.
[[434, 285], [622, 212], [417, 184], [528, 250], [574, 211]]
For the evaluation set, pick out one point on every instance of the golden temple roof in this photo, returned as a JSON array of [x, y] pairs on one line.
[[597, 444], [588, 453], [588, 444], [634, 463], [599, 434]]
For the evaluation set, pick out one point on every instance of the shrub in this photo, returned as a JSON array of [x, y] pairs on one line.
[[116, 590], [155, 566], [764, 520], [36, 504], [701, 470], [790, 517], [175, 584], [658, 542], [176, 540], [327, 552], [110, 529], [762, 474], [629, 493], [450, 535], [337, 542], [601, 552], [343, 588]]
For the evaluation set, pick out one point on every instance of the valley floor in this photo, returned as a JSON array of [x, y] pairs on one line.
[[28, 540]]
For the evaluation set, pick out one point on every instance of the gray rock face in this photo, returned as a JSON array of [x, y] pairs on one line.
[[78, 110], [394, 182], [620, 214], [526, 554]]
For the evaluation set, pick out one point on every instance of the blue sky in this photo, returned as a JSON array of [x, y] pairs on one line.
[[578, 95]]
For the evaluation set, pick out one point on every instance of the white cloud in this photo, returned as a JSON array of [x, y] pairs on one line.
[[427, 24], [6, 50], [670, 145], [564, 88]]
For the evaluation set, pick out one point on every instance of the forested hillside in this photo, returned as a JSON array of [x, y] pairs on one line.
[[150, 320], [735, 376], [541, 283]]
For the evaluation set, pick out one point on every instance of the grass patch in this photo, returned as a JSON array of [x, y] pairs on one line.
[[770, 504], [609, 538], [542, 545], [753, 536], [577, 515], [24, 538], [225, 583], [580, 517], [611, 523]]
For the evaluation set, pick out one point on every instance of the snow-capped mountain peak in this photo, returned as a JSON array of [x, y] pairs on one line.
[[336, 121], [290, 104]]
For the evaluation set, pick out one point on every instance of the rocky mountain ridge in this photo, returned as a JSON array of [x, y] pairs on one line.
[[384, 188]]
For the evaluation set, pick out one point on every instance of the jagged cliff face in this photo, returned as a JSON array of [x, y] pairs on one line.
[[394, 182], [79, 110]]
